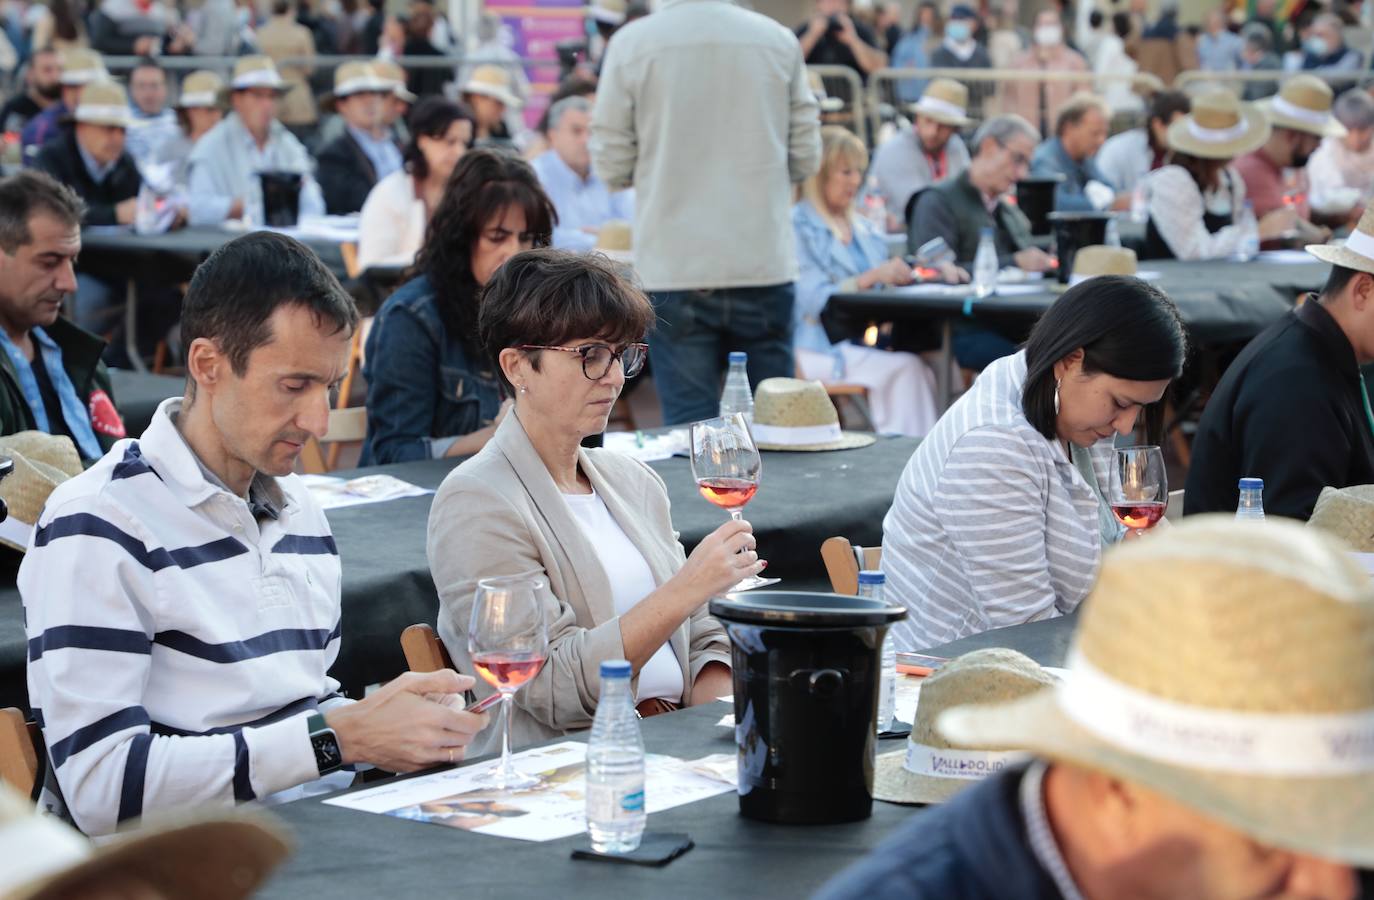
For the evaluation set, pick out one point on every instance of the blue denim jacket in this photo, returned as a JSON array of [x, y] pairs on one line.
[[423, 388]]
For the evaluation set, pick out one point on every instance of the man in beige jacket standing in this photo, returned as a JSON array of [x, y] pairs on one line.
[[282, 38], [704, 108]]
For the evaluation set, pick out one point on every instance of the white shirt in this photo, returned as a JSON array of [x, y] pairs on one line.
[[1177, 206], [1125, 159], [631, 581], [583, 204], [391, 227]]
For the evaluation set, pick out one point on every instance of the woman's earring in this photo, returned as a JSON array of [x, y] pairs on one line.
[[525, 390], [1056, 395]]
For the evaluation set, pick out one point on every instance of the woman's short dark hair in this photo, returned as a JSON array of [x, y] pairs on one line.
[[552, 296], [483, 184], [432, 117], [1125, 327]]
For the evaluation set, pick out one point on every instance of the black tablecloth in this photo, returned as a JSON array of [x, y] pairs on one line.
[[348, 853], [137, 396], [173, 256], [804, 499]]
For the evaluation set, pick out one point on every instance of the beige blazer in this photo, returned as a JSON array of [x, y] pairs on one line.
[[282, 37], [500, 513]]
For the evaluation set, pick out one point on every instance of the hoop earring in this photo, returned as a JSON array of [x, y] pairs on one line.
[[1056, 395]]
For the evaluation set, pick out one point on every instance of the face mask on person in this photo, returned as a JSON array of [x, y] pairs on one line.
[[1316, 46], [1049, 36], [958, 32]]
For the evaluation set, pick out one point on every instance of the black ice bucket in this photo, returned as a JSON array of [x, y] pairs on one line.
[[281, 198], [1035, 198], [1073, 230], [806, 673]]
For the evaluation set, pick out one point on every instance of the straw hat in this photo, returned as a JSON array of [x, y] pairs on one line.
[[612, 12], [1347, 513], [41, 462], [1097, 259], [104, 103], [1229, 667], [491, 81], [222, 858], [1219, 127], [931, 769], [945, 101], [827, 102], [1303, 104], [792, 414], [616, 240], [257, 72], [1355, 252], [359, 78], [202, 89], [82, 66], [397, 76]]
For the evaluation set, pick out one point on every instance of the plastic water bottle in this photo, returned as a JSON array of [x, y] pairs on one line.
[[737, 398], [1113, 236], [871, 586], [1251, 507], [1249, 233], [1140, 204], [985, 265], [875, 207], [615, 766]]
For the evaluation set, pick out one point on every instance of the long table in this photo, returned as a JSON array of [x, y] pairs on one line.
[[804, 498], [342, 852]]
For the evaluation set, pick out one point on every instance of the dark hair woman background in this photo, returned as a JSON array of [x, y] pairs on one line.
[[430, 390], [1002, 513]]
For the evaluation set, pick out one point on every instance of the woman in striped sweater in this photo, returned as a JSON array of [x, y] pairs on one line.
[[1001, 514]]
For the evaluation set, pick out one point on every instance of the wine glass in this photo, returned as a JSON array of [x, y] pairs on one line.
[[726, 466], [1140, 487], [508, 642]]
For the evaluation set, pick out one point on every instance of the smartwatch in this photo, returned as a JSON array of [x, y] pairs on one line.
[[325, 743]]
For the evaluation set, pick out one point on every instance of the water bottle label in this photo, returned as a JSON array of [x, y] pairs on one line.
[[614, 802]]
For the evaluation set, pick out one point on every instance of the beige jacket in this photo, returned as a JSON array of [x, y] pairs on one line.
[[282, 37], [500, 513], [705, 110]]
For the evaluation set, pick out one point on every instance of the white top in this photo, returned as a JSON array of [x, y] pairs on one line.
[[631, 581], [1177, 206], [391, 227], [1125, 159]]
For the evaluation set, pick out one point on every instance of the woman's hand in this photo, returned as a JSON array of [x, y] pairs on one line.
[[717, 563], [1277, 222], [894, 271]]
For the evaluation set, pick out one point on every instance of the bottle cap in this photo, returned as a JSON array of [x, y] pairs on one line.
[[738, 356], [1252, 484], [871, 576], [615, 668]]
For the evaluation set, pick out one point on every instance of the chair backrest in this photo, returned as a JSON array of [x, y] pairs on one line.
[[21, 747], [844, 560], [423, 650], [349, 251], [345, 426]]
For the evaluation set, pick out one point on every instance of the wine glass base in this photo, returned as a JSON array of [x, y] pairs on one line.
[[507, 780], [754, 581]]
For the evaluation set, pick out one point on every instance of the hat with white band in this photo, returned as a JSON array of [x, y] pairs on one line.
[[42, 461], [82, 66], [202, 89], [793, 414], [945, 101], [1098, 259], [932, 769], [1229, 668], [1304, 104], [397, 76], [1346, 513], [1219, 126], [359, 78], [104, 103], [1355, 252], [493, 82], [257, 72]]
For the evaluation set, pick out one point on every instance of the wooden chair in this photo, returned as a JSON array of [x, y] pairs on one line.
[[349, 251], [345, 426], [423, 650], [21, 748], [843, 562]]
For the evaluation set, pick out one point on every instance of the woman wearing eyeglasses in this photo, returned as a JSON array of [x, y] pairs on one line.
[[430, 390], [566, 332]]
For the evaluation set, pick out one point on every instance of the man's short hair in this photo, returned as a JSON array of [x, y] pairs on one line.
[[565, 106], [1355, 110], [1338, 280], [235, 292], [1078, 106], [1002, 129], [1164, 105], [146, 62], [29, 192], [1258, 36]]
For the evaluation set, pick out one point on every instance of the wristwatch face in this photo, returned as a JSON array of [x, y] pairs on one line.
[[327, 755]]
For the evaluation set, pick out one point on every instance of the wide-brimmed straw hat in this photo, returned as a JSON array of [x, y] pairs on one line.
[[794, 414], [257, 72], [612, 12], [82, 66], [826, 102], [1219, 126], [931, 769], [226, 857], [41, 462], [104, 103], [1228, 666], [491, 81], [615, 239], [1099, 259], [202, 89], [1348, 514], [359, 78], [945, 101], [1303, 104], [397, 76], [1356, 251]]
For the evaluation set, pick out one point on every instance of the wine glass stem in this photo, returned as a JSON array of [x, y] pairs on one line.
[[737, 513], [507, 767]]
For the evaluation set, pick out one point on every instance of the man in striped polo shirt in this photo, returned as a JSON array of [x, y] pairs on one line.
[[182, 596]]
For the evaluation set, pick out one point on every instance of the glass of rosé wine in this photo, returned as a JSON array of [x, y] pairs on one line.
[[1140, 487], [508, 642], [726, 466]]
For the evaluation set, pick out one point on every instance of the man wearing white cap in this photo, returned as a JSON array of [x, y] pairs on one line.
[[351, 164], [929, 153], [226, 162], [91, 159], [79, 68], [1197, 748]]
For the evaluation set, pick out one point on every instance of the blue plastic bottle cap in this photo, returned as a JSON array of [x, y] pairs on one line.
[[871, 576], [1252, 484], [615, 668], [738, 356]]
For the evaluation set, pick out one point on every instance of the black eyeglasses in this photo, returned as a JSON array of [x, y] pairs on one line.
[[597, 358]]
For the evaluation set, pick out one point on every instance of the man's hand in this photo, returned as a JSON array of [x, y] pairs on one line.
[[1032, 259], [414, 722], [235, 209], [815, 29], [126, 210], [849, 35]]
